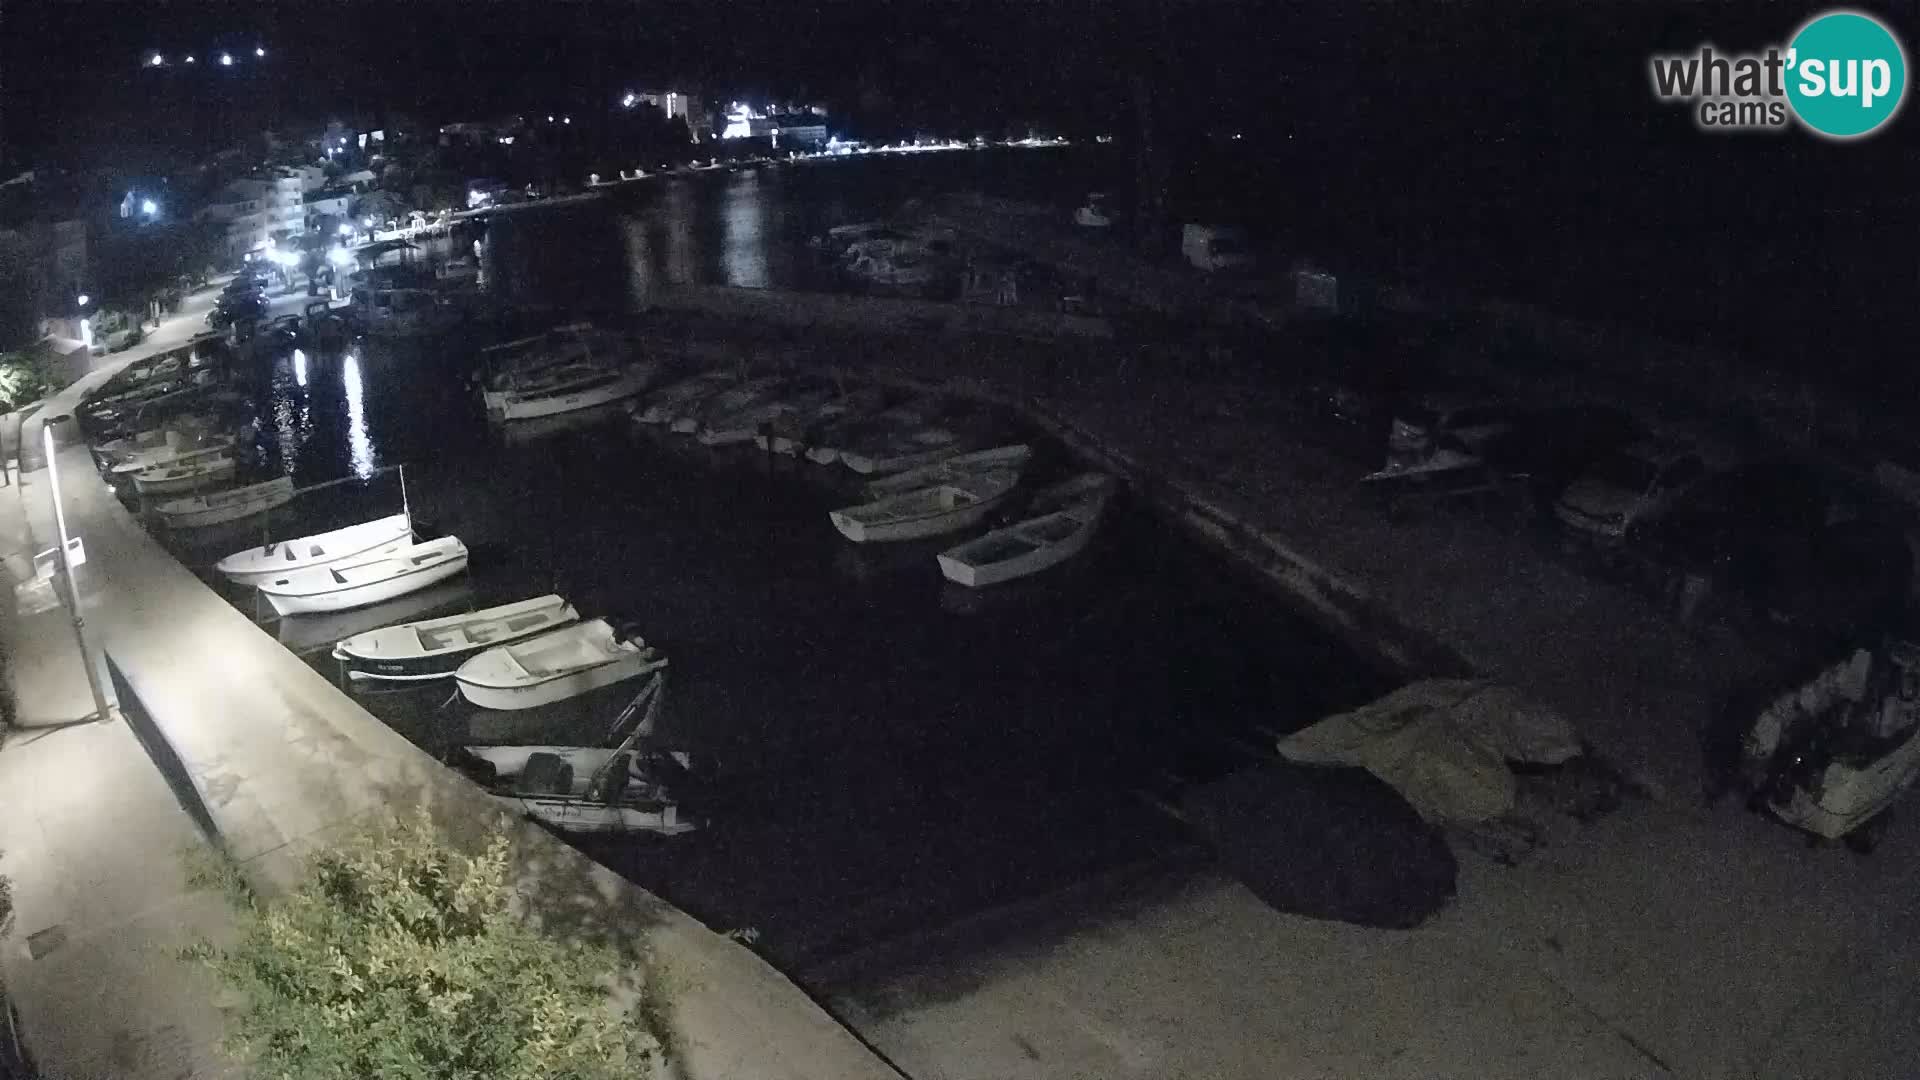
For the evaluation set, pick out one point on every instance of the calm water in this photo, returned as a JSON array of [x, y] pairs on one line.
[[887, 751]]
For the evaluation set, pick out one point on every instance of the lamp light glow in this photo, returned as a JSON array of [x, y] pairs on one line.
[[226, 59], [156, 60]]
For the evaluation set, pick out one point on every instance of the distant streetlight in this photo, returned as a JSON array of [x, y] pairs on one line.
[[82, 299], [65, 564], [156, 60], [549, 119], [189, 58], [149, 207], [226, 59], [346, 229], [259, 51], [627, 102], [566, 119]]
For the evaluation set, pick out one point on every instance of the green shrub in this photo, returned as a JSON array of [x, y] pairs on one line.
[[397, 957]]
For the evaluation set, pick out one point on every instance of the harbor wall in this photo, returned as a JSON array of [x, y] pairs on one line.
[[875, 314], [274, 758]]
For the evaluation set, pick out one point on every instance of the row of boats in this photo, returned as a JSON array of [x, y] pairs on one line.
[[936, 472]]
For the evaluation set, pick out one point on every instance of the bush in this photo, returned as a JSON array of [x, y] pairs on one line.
[[23, 378], [397, 957]]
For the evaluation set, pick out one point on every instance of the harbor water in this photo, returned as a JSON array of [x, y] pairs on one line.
[[880, 751]]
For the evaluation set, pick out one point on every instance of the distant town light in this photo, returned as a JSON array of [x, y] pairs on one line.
[[566, 119], [369, 222], [346, 229], [189, 58], [149, 207], [156, 60], [258, 51], [339, 256], [626, 102], [226, 59], [549, 119], [82, 299]]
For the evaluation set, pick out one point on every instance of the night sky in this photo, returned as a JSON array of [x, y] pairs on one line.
[[1482, 117]]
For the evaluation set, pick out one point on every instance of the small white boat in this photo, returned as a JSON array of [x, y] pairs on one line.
[[608, 385], [858, 429], [497, 392], [184, 476], [670, 401], [433, 649], [555, 666], [164, 455], [909, 450], [1013, 456], [1036, 544], [233, 504], [337, 588], [627, 788], [321, 549], [932, 511], [731, 399], [755, 420]]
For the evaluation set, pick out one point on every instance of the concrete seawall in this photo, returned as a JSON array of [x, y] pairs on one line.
[[271, 759]]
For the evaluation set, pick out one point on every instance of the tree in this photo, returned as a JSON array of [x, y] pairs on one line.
[[23, 378], [400, 957]]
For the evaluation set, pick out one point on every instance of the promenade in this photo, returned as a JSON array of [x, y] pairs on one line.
[[234, 742]]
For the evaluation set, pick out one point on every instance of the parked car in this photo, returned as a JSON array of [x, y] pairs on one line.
[[1622, 488], [1446, 429], [1795, 542]]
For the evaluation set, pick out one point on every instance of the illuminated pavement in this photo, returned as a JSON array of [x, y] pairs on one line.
[[274, 758]]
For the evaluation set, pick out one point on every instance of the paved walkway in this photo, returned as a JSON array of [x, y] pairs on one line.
[[272, 758]]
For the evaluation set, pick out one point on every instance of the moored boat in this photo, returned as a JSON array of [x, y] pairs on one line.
[[906, 450], [1036, 544], [180, 476], [434, 648], [166, 454], [1012, 456], [791, 432], [555, 666], [197, 511], [320, 549], [931, 511], [337, 588], [743, 425], [589, 389]]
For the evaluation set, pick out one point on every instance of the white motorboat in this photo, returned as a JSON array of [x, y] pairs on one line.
[[670, 401], [932, 511], [434, 648], [197, 511], [1012, 456], [626, 788], [496, 392], [1036, 544], [337, 588], [321, 549], [167, 454], [731, 399], [184, 476], [599, 388], [555, 666]]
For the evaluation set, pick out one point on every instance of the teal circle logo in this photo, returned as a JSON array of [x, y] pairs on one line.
[[1846, 74]]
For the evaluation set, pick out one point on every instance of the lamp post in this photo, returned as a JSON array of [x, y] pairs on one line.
[[100, 711]]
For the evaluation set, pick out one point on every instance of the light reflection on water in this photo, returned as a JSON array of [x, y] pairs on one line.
[[300, 367], [359, 442], [743, 239]]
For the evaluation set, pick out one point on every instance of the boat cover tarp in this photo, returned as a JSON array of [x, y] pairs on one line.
[[1326, 843], [1443, 744]]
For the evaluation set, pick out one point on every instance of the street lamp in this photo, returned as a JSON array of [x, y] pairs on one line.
[[226, 59], [628, 101], [189, 58], [82, 299], [149, 207], [156, 60], [66, 571], [258, 51]]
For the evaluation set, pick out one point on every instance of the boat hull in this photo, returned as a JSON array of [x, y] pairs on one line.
[[587, 817], [918, 526], [979, 575], [570, 685], [624, 386], [361, 652], [372, 592], [250, 567], [180, 484]]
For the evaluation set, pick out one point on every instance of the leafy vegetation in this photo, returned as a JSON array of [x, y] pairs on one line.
[[23, 378], [399, 958]]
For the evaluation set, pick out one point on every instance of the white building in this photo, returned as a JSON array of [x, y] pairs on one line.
[[258, 209]]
